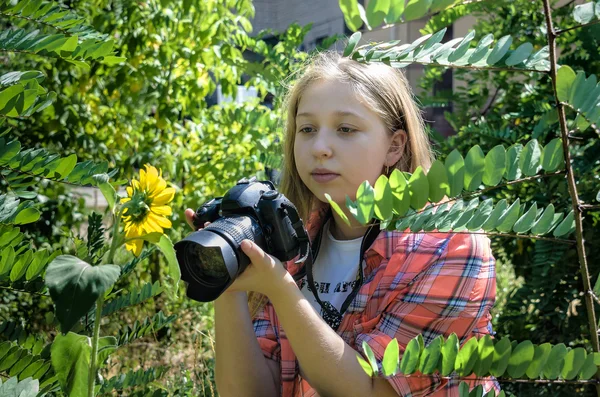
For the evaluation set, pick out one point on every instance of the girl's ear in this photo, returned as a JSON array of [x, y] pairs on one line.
[[397, 145]]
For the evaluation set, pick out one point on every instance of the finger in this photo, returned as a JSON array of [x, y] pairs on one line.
[[254, 252], [189, 217]]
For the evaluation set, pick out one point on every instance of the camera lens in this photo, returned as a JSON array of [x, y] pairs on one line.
[[206, 263]]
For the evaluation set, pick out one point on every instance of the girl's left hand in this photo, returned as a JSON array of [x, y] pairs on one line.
[[265, 274]]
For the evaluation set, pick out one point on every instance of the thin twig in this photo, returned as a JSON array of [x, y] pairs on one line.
[[572, 185], [561, 31], [589, 207], [594, 296]]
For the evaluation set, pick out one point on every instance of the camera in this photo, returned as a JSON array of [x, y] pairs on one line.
[[211, 259]]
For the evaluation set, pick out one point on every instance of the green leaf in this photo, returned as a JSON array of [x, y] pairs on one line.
[[482, 49], [416, 9], [383, 199], [395, 12], [377, 11], [463, 389], [165, 245], [410, 358], [371, 356], [74, 286], [502, 351], [8, 150], [71, 357], [573, 363], [419, 188], [495, 165], [462, 48], [449, 352], [525, 222], [508, 219], [513, 171], [539, 360], [482, 214], [28, 215], [564, 78], [500, 49], [474, 167], [584, 13], [431, 356], [477, 391], [529, 161], [400, 192], [455, 169], [485, 351], [520, 359], [337, 209], [589, 367], [352, 42], [113, 60], [391, 358], [467, 357], [365, 200], [65, 166], [108, 191], [553, 157], [365, 365], [438, 181], [520, 54], [555, 361], [544, 222], [566, 226], [351, 16]]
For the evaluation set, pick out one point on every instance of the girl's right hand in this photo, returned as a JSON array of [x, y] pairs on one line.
[[189, 217]]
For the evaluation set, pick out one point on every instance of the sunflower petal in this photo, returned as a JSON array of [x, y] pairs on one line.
[[164, 210], [164, 197], [161, 221]]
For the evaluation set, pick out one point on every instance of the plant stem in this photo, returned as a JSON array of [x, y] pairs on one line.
[[95, 337], [577, 211], [114, 244]]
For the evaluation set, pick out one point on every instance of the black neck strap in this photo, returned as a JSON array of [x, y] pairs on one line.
[[331, 315]]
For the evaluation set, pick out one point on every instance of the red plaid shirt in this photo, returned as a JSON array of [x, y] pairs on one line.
[[414, 283]]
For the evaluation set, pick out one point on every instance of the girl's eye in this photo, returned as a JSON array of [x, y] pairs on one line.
[[304, 129], [346, 130]]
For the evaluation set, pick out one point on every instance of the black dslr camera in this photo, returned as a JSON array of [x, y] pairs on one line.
[[210, 259]]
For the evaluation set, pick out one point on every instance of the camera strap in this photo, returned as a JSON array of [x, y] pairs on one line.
[[331, 315]]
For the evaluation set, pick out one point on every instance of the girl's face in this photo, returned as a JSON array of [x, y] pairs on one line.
[[340, 142]]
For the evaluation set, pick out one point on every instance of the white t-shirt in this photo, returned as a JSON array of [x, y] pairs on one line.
[[334, 271]]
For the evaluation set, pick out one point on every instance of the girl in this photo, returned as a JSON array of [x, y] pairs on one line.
[[299, 332]]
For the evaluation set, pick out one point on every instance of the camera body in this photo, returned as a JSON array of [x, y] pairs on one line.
[[211, 258]]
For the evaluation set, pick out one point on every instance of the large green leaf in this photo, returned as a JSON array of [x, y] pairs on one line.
[[395, 12], [566, 226], [75, 285], [391, 358], [544, 223], [431, 356], [590, 366], [365, 200], [526, 221], [419, 188], [371, 356], [400, 192], [22, 387], [508, 219], [438, 181], [449, 352], [352, 42], [502, 350], [474, 167], [584, 13], [467, 357], [462, 47], [455, 168], [377, 11], [573, 363], [337, 209], [520, 54], [383, 199], [520, 359], [499, 50], [513, 154], [555, 361], [529, 161], [410, 358], [539, 360], [564, 78], [71, 355], [485, 351], [495, 164], [552, 156], [416, 9]]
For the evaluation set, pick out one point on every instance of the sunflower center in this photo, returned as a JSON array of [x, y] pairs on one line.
[[138, 207]]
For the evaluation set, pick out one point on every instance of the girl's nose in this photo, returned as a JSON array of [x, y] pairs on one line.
[[321, 147]]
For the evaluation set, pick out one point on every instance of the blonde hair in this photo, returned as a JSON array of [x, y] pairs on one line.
[[386, 91]]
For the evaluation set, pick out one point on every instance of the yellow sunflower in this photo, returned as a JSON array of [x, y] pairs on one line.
[[147, 207]]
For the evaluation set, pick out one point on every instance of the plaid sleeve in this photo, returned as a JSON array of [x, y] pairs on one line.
[[453, 294], [265, 333]]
